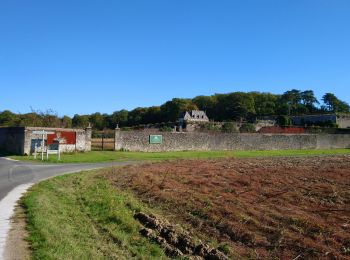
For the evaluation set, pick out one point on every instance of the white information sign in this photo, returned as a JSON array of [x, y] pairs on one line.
[[43, 132]]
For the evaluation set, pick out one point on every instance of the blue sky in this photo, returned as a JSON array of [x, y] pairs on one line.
[[87, 56]]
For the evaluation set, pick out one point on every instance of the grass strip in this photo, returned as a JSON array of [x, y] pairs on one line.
[[109, 156], [80, 216]]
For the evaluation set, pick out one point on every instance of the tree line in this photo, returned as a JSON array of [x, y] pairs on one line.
[[235, 106]]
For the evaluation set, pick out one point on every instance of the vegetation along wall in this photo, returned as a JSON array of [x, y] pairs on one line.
[[139, 141]]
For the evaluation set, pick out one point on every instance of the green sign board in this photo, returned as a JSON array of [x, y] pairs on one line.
[[155, 139]]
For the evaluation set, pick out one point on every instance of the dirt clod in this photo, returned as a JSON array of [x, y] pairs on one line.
[[173, 242], [185, 244], [146, 232], [148, 221]]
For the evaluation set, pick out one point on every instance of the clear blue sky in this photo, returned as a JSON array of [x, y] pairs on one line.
[[87, 56]]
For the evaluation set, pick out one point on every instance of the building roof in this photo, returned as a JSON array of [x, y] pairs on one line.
[[197, 115]]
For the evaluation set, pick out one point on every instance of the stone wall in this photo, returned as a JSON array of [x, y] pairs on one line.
[[314, 119], [83, 139], [139, 141], [12, 139], [343, 121], [22, 140]]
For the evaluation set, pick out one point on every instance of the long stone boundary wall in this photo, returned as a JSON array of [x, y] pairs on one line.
[[139, 141]]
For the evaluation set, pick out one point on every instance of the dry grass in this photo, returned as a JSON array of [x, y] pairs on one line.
[[259, 207]]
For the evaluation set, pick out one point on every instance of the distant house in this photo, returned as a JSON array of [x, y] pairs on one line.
[[189, 119], [342, 120]]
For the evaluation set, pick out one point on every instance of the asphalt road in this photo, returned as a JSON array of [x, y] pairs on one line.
[[15, 173]]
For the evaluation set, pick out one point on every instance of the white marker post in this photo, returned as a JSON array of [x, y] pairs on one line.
[[42, 146]]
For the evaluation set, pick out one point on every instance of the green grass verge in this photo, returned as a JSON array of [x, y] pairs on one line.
[[80, 216], [109, 156]]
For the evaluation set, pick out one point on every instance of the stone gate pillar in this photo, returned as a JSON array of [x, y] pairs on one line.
[[88, 133], [117, 146]]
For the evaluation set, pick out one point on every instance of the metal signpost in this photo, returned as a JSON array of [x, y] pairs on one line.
[[43, 133], [155, 139]]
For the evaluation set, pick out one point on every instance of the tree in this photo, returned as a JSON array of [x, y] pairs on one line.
[[284, 121], [49, 118], [247, 128], [119, 118], [66, 122], [207, 104], [136, 116], [98, 121], [235, 106], [172, 109], [7, 118], [309, 100], [30, 119], [153, 115], [292, 98], [264, 103], [80, 121], [333, 104], [229, 127]]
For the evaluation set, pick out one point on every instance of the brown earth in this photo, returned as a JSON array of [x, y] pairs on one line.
[[17, 248], [285, 208]]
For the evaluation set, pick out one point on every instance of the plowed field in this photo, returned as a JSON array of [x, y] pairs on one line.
[[295, 207]]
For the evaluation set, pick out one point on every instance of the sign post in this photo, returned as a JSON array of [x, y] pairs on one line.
[[43, 133]]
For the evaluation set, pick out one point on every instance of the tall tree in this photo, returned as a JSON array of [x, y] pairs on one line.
[[66, 122], [235, 106], [80, 121], [153, 115], [98, 121], [264, 103], [309, 100], [119, 118], [333, 104], [137, 116], [7, 118], [206, 103], [30, 119], [292, 98]]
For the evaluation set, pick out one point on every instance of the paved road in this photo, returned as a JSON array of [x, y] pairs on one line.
[[14, 173]]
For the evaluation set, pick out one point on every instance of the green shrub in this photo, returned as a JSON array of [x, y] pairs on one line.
[[229, 127], [165, 129], [247, 128], [284, 121], [210, 126]]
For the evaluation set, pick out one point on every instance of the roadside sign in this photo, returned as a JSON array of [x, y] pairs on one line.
[[58, 152], [43, 132], [155, 139]]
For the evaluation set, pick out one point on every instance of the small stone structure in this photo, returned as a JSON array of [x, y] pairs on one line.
[[342, 120], [180, 141], [264, 123], [23, 140], [191, 120]]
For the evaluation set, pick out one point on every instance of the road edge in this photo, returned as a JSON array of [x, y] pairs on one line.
[[9, 203]]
